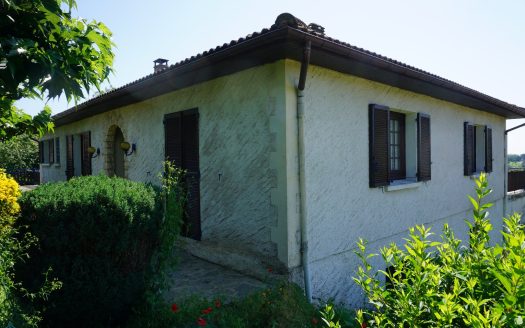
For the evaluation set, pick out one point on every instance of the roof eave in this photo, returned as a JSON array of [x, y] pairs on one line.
[[286, 42], [351, 60]]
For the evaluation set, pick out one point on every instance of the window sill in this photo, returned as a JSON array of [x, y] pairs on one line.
[[57, 165], [476, 175], [402, 185], [45, 164], [512, 195]]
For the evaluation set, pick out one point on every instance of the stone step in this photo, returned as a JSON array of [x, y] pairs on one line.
[[244, 262]]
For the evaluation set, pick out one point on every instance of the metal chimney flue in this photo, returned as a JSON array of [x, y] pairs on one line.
[[160, 64]]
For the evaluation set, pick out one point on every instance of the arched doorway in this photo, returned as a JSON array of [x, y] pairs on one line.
[[115, 164]]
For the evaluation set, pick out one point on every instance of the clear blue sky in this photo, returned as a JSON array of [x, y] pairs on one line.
[[480, 44]]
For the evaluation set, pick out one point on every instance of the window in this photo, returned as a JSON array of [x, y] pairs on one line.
[[396, 141], [477, 148], [399, 146], [46, 151]]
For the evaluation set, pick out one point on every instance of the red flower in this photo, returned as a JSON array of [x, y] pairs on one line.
[[315, 321], [174, 308], [363, 325], [218, 303], [270, 270], [206, 311], [201, 322]]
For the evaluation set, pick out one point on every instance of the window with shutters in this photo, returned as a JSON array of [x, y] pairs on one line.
[[477, 149], [399, 146], [47, 151]]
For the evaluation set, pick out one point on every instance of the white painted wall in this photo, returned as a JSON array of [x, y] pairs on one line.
[[237, 139], [516, 203], [248, 135], [341, 207]]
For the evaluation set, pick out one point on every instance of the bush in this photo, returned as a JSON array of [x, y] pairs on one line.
[[9, 208], [19, 156], [444, 284], [98, 234], [13, 248]]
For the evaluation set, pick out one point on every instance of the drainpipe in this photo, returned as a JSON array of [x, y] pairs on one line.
[[302, 195], [506, 168]]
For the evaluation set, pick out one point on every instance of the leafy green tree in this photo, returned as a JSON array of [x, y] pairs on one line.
[[19, 153], [44, 53]]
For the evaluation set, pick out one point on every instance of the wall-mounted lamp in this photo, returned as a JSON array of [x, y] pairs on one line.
[[126, 146], [93, 151]]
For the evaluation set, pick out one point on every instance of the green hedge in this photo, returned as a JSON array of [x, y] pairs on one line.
[[98, 234]]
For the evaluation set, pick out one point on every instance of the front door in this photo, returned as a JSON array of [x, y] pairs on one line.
[[182, 148]]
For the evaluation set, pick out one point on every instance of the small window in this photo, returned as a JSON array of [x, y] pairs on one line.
[[477, 149], [47, 151], [399, 146]]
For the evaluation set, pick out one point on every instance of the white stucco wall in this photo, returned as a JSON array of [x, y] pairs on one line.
[[341, 207], [240, 118], [248, 135], [516, 203]]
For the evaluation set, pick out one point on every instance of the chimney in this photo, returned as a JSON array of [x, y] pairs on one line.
[[160, 64]]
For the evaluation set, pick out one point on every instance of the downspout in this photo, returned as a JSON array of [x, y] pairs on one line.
[[506, 168], [301, 170]]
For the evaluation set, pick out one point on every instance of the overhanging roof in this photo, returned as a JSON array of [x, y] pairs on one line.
[[286, 39]]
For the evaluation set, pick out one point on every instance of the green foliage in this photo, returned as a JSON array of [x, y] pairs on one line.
[[516, 161], [19, 153], [45, 51], [328, 317], [13, 248], [98, 234], [281, 306], [514, 158], [173, 199], [442, 284]]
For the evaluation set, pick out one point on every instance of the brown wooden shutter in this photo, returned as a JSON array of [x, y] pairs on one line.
[[51, 150], [173, 138], [57, 150], [181, 131], [41, 151], [190, 162], [85, 143], [378, 117], [469, 163], [488, 149], [423, 147], [70, 169]]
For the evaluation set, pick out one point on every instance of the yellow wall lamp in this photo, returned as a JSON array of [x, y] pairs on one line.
[[126, 146], [93, 151]]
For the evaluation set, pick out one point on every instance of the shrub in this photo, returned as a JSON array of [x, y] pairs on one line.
[[19, 155], [445, 284], [9, 208], [13, 248], [98, 235]]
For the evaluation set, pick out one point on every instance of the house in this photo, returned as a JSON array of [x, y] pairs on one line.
[[296, 145]]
